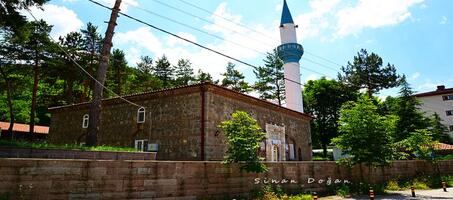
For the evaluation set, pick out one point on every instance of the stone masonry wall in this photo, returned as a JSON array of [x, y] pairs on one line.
[[220, 107], [172, 121], [88, 179]]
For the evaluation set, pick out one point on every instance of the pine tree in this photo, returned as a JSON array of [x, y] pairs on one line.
[[119, 65], [270, 83], [92, 48], [204, 76], [73, 43], [184, 73], [145, 65], [439, 130], [164, 71], [235, 79], [366, 71]]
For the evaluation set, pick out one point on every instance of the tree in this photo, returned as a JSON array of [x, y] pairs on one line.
[[96, 103], [73, 43], [418, 144], [11, 16], [119, 65], [36, 48], [438, 129], [184, 72], [323, 99], [164, 71], [234, 79], [243, 135], [270, 83], [203, 77], [366, 71], [92, 50], [145, 65], [364, 134], [409, 116]]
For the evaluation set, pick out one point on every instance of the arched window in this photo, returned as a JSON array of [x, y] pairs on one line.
[[85, 120], [141, 115]]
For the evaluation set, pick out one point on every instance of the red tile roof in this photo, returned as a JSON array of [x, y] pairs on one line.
[[443, 146], [24, 128]]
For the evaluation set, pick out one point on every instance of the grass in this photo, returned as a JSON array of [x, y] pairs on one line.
[[26, 144]]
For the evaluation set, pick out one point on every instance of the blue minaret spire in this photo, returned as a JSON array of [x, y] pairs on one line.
[[286, 15], [291, 52]]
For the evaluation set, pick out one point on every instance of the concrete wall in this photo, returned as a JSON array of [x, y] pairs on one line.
[[87, 179], [435, 104]]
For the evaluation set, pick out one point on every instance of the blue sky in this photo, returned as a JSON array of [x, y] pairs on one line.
[[414, 35]]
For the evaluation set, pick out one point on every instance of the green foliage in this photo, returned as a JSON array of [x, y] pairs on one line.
[[26, 144], [270, 83], [392, 186], [184, 73], [366, 71], [365, 135], [11, 15], [410, 118], [234, 79], [243, 136], [439, 130], [164, 71], [203, 77], [323, 98], [419, 144], [343, 190]]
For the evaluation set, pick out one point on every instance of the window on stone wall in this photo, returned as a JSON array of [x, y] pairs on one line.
[[449, 112], [447, 97], [451, 128], [85, 121], [141, 115]]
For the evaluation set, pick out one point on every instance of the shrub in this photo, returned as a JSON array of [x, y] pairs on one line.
[[392, 186]]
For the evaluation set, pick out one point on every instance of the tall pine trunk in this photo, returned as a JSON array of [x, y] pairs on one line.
[[96, 104], [10, 102], [34, 92]]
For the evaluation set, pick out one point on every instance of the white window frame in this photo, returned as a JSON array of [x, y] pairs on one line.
[[140, 145], [141, 110], [85, 120]]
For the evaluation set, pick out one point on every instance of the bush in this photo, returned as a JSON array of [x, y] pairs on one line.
[[392, 186], [343, 191]]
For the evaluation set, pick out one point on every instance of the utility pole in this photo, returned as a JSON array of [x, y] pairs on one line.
[[96, 103]]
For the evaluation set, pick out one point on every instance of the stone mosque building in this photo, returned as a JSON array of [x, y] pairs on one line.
[[182, 123]]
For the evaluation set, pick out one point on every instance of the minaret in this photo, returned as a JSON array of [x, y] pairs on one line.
[[291, 52]]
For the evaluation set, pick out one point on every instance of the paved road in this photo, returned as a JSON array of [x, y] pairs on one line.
[[420, 194]]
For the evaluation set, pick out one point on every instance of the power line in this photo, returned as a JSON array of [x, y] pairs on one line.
[[246, 27], [81, 68], [218, 37], [187, 40]]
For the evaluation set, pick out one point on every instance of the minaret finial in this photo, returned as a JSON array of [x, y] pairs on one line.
[[286, 15]]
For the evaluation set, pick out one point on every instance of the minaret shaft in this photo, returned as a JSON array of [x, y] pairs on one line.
[[291, 52]]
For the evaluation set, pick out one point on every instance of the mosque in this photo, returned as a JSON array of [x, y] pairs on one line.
[[182, 123]]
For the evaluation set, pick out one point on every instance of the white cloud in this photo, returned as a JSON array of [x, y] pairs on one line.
[[310, 78], [414, 76], [443, 20], [311, 23], [124, 4], [173, 41], [372, 14], [428, 85], [62, 19]]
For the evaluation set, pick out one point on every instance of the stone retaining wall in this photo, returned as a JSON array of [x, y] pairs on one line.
[[89, 179], [9, 152]]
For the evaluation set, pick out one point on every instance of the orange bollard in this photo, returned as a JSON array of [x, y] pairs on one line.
[[315, 197], [444, 186], [371, 193], [413, 191]]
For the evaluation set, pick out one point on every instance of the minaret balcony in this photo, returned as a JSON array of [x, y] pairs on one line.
[[290, 52]]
